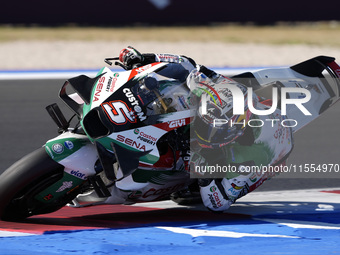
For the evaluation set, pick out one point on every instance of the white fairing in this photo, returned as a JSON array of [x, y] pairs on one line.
[[80, 157], [82, 160], [291, 79]]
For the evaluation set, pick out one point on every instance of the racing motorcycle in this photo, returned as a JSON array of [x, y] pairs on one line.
[[132, 127]]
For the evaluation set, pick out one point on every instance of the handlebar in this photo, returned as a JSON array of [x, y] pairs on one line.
[[109, 62], [117, 63]]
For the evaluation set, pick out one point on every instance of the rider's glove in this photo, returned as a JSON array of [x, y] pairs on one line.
[[131, 57], [213, 194]]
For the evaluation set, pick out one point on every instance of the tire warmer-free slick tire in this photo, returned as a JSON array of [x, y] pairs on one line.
[[22, 181]]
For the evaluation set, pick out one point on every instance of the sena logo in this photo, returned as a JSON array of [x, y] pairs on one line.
[[131, 142], [99, 89]]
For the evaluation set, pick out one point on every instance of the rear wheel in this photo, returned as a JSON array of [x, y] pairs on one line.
[[26, 178]]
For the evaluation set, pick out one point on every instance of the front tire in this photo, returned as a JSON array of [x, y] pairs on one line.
[[22, 181]]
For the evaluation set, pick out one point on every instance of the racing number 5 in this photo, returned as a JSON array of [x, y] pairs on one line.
[[118, 112]]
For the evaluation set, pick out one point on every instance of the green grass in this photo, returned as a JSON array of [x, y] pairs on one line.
[[325, 34]]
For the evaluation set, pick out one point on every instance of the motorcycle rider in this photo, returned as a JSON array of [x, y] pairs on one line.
[[247, 150]]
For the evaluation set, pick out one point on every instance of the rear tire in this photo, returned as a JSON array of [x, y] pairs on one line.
[[22, 181]]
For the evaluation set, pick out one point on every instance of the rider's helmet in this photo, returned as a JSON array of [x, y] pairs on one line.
[[214, 124]]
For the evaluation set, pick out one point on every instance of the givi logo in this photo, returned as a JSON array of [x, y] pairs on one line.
[[177, 123]]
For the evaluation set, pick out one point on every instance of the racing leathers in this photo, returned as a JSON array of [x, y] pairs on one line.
[[246, 166], [246, 162]]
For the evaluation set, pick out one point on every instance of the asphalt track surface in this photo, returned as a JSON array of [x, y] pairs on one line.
[[279, 218]]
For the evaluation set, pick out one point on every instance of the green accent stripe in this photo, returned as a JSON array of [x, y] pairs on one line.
[[65, 150], [209, 95]]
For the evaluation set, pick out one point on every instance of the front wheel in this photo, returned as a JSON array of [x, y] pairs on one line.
[[22, 181]]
